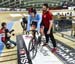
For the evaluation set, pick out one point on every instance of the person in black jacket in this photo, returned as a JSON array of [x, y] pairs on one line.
[[24, 23]]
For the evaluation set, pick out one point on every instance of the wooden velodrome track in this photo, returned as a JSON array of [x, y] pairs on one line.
[[15, 18]]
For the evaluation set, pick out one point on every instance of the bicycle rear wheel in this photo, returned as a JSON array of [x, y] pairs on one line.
[[32, 48]]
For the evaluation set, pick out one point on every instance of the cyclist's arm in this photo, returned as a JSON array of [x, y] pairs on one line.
[[28, 24]]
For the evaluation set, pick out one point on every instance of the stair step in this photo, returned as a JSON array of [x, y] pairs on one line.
[[14, 61], [8, 50], [9, 58], [8, 54]]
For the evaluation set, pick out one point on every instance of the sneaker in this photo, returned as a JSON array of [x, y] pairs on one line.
[[54, 50], [45, 44], [12, 45]]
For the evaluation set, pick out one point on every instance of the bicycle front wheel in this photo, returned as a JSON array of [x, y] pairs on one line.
[[32, 48]]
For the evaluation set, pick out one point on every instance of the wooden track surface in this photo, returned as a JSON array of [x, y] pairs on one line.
[[18, 30]]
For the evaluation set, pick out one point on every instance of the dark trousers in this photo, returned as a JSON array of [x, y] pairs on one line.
[[24, 25], [49, 36], [12, 42]]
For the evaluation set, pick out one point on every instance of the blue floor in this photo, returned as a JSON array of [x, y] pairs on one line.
[[9, 26]]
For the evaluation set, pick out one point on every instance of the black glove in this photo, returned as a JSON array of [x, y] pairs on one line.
[[11, 31]]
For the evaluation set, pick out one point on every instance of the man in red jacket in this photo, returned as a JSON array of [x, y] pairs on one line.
[[47, 22]]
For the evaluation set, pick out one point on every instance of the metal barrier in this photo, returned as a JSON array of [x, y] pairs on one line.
[[65, 25], [73, 29]]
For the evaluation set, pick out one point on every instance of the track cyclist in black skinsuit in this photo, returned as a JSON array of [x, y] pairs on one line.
[[24, 23]]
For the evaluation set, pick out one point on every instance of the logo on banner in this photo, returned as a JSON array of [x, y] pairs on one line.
[[66, 53], [23, 56], [22, 51]]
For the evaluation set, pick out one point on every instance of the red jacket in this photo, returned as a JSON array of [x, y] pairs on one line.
[[46, 17], [3, 39]]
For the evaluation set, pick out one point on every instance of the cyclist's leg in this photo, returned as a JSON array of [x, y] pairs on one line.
[[22, 24], [25, 28], [41, 34], [42, 30], [33, 27]]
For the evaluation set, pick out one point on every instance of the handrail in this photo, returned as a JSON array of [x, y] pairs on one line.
[[37, 1], [4, 2], [12, 3], [15, 5]]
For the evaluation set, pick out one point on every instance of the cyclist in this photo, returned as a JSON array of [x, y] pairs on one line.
[[34, 20], [47, 22], [24, 23]]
